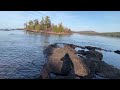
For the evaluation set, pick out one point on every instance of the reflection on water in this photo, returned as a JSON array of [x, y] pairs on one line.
[[21, 52]]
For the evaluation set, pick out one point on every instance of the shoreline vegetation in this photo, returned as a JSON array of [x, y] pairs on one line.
[[45, 26], [109, 34]]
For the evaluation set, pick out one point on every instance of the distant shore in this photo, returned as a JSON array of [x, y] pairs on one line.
[[109, 34]]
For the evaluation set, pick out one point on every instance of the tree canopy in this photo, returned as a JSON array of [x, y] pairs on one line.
[[45, 25]]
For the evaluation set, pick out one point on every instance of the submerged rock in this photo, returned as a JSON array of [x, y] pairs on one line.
[[117, 51]]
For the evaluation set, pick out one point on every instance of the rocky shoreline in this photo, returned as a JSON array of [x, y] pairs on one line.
[[65, 62], [49, 32]]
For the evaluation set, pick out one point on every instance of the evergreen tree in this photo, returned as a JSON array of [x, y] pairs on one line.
[[36, 24], [42, 24], [31, 25], [47, 22], [61, 28]]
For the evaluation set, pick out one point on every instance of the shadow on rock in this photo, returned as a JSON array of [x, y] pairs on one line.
[[63, 63]]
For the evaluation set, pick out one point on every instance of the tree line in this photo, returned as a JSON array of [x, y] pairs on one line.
[[45, 25]]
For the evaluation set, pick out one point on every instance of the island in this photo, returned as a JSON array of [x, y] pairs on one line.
[[45, 26]]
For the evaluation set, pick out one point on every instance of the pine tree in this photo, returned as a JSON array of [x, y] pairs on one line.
[[31, 25], [47, 22], [42, 24], [36, 24], [61, 28]]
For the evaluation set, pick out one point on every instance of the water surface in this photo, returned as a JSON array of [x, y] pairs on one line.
[[21, 53]]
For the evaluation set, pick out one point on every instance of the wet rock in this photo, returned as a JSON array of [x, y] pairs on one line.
[[102, 69], [94, 54], [72, 46], [83, 52], [90, 48], [117, 51], [91, 54], [93, 48]]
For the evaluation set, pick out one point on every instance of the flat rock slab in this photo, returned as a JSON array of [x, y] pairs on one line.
[[54, 64]]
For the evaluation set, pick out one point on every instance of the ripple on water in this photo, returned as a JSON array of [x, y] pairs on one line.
[[21, 53]]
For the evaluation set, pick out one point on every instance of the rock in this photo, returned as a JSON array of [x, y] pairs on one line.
[[93, 48], [102, 69], [45, 74], [117, 51], [62, 64], [94, 54], [90, 48], [83, 52], [72, 46], [91, 54], [68, 48]]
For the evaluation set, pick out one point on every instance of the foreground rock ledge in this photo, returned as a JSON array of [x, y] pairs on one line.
[[67, 63]]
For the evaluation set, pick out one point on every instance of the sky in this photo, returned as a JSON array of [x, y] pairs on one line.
[[100, 21]]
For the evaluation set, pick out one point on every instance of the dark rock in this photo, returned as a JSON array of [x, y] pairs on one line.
[[91, 54], [93, 48], [117, 51], [94, 54], [90, 48], [83, 52], [80, 47], [72, 46], [104, 70]]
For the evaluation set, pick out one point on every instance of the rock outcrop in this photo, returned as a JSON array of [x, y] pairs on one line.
[[63, 62], [67, 63]]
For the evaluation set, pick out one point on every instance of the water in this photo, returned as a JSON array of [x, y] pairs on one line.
[[21, 53]]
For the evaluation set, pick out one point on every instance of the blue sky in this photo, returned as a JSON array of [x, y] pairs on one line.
[[100, 21]]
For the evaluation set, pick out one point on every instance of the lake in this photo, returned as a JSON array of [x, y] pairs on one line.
[[21, 52]]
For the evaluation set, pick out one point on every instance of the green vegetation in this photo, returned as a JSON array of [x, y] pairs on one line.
[[45, 26]]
